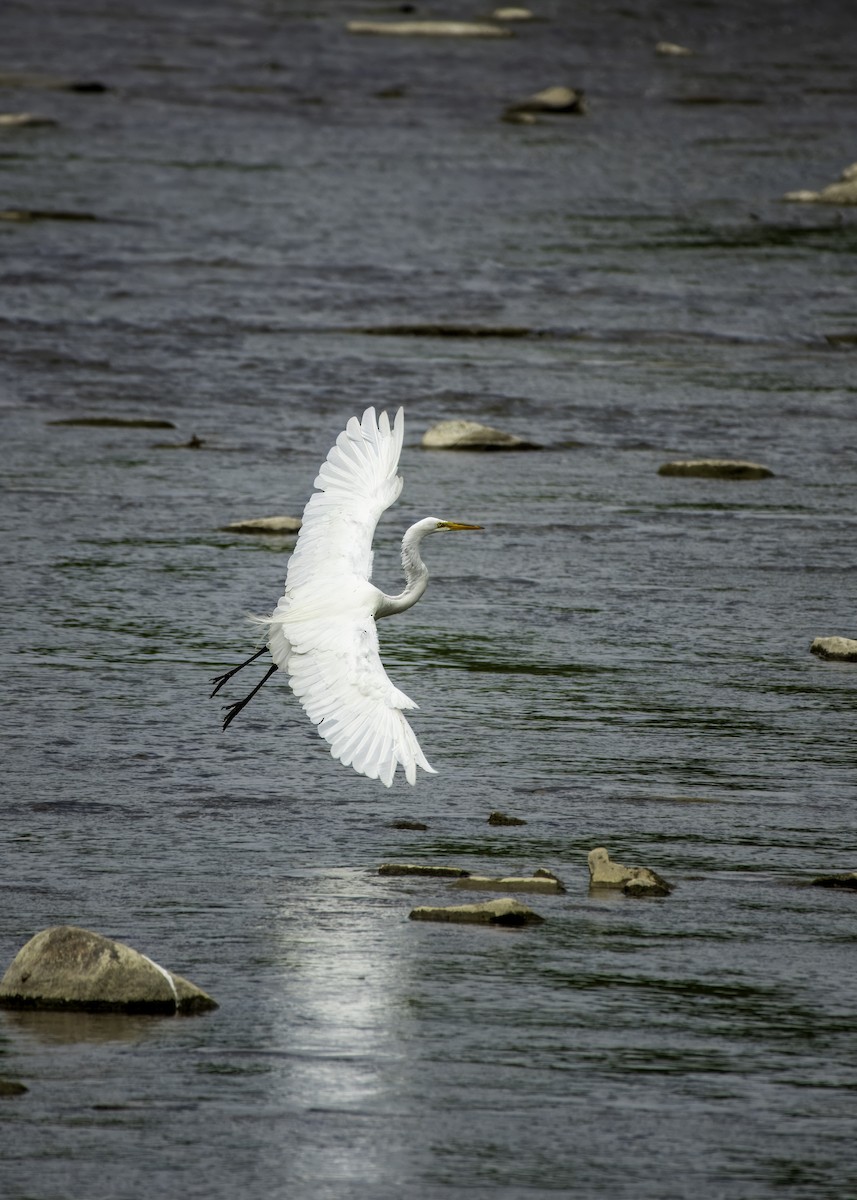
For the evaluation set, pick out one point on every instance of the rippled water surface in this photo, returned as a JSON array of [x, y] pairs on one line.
[[261, 226]]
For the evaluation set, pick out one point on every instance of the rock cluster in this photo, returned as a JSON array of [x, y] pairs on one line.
[[634, 881]]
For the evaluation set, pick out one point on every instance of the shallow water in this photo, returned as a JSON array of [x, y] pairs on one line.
[[292, 223]]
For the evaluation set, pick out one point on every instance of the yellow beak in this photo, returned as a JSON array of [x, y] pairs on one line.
[[458, 525]]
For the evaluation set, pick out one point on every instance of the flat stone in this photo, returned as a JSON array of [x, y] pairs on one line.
[[835, 647], [20, 120], [422, 869], [556, 99], [267, 525], [470, 435], [634, 881], [716, 468], [672, 50], [549, 886], [845, 879], [504, 911], [71, 968], [501, 818], [464, 29]]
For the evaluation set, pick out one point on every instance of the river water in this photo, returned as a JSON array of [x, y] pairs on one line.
[[276, 224]]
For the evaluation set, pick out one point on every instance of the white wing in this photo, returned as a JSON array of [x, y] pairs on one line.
[[322, 632]]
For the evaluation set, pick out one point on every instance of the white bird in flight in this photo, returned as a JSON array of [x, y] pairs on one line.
[[322, 633]]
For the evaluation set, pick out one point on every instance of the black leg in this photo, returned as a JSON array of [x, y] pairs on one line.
[[235, 709], [219, 680]]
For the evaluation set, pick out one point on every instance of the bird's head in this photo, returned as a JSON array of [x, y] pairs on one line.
[[435, 525]]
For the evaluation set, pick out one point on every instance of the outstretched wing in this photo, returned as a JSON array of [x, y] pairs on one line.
[[322, 632]]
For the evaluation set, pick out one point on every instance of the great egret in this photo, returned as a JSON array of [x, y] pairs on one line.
[[322, 632]]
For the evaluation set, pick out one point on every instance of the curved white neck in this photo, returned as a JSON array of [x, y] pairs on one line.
[[416, 574]]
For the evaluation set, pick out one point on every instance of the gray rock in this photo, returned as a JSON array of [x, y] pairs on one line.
[[71, 968], [422, 869], [470, 435], [835, 647], [547, 885], [846, 880], [634, 881], [716, 468], [552, 100], [501, 818], [461, 29], [843, 191], [504, 911], [268, 525]]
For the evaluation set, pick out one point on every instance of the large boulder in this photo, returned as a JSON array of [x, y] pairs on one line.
[[470, 435], [505, 911], [634, 881], [71, 968], [835, 647]]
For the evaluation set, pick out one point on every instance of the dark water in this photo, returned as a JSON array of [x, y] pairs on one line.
[[621, 659]]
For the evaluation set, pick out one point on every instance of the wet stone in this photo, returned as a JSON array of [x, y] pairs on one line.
[[504, 911], [835, 647], [501, 818], [716, 468]]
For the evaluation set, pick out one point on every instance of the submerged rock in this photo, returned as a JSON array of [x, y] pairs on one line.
[[470, 435], [845, 879], [473, 29], [115, 422], [270, 525], [634, 881], [422, 869], [45, 214], [407, 823], [501, 818], [843, 191], [835, 647], [504, 911], [72, 968], [11, 1087], [716, 468], [547, 884], [552, 100]]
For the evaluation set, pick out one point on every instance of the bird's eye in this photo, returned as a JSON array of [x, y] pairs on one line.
[[440, 525]]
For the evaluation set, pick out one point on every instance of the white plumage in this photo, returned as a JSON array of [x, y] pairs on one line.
[[322, 633]]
